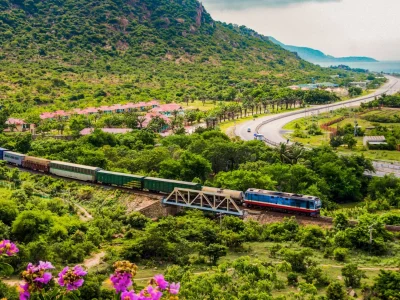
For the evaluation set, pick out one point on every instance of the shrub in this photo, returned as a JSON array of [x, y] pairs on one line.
[[292, 279], [8, 211], [316, 275], [340, 254], [311, 236], [352, 275], [296, 258], [336, 291]]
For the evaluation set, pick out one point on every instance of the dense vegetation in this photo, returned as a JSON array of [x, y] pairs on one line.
[[384, 101], [185, 243], [210, 157]]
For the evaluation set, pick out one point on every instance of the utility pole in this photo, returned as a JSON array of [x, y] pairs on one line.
[[370, 228]]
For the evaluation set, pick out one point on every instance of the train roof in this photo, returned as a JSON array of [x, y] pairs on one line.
[[172, 181], [33, 158], [120, 174], [74, 165], [283, 194], [3, 149], [15, 153]]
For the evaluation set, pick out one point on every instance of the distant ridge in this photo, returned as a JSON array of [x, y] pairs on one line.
[[315, 56]]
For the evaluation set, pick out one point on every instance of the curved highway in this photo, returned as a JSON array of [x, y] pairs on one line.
[[271, 126]]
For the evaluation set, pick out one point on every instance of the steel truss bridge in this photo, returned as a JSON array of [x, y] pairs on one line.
[[216, 203]]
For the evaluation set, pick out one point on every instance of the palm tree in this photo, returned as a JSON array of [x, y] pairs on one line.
[[141, 120], [283, 152], [296, 152]]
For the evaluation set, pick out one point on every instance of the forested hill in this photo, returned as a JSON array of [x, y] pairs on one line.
[[161, 28], [132, 50]]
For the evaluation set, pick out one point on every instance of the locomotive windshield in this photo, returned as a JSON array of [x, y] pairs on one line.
[[318, 204]]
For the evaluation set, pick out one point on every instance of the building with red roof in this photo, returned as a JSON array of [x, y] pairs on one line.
[[88, 131], [18, 125]]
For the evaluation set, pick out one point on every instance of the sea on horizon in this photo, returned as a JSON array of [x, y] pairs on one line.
[[380, 66]]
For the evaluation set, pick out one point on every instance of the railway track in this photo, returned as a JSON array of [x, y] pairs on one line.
[[260, 215], [267, 217]]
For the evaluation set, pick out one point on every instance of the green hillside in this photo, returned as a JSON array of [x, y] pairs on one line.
[[73, 53]]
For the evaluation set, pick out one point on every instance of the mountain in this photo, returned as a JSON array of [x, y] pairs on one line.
[[69, 53], [316, 56]]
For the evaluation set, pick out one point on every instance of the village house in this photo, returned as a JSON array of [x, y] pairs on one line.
[[18, 125], [116, 108]]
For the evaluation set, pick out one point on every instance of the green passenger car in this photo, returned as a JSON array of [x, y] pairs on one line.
[[120, 179], [167, 185]]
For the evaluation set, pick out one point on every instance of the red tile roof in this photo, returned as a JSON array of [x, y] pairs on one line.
[[15, 121]]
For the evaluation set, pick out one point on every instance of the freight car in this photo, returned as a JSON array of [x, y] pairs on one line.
[[74, 171], [153, 184], [235, 195], [14, 158], [120, 179], [285, 202], [36, 164]]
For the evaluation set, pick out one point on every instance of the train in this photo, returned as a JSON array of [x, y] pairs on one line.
[[272, 200]]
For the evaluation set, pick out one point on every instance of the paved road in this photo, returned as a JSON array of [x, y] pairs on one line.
[[271, 126]]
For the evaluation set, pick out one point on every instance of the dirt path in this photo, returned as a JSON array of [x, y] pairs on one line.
[[83, 214], [364, 268], [94, 260]]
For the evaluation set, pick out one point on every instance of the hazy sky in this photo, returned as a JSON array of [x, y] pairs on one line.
[[336, 27]]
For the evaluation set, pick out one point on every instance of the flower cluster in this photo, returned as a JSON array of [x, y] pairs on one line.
[[8, 248], [36, 278], [154, 291], [123, 274], [71, 278]]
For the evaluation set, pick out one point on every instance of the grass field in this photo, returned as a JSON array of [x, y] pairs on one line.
[[303, 123]]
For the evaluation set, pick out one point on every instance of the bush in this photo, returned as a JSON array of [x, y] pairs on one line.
[[292, 279], [8, 211], [316, 275], [296, 258], [336, 291], [340, 254], [352, 275], [136, 220], [311, 236], [7, 292]]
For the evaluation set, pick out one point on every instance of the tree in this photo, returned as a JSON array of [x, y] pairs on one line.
[[336, 291], [352, 275], [350, 141], [297, 258], [23, 143], [31, 223], [8, 211], [242, 180], [355, 91], [336, 141], [215, 251], [387, 285]]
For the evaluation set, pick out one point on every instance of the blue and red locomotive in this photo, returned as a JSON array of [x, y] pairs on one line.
[[285, 202]]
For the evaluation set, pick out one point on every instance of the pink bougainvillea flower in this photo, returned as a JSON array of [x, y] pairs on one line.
[[161, 282], [174, 288], [8, 248], [71, 278], [129, 295]]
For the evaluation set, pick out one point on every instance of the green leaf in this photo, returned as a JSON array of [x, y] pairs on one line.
[[72, 295], [6, 269]]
